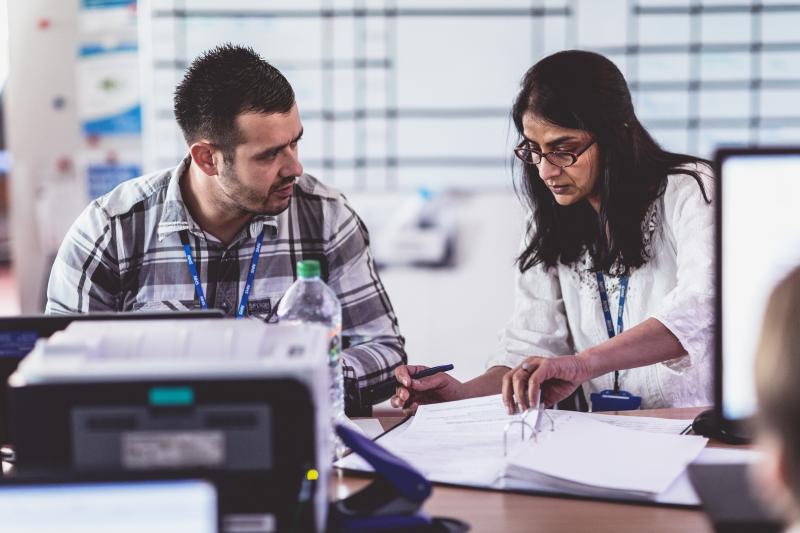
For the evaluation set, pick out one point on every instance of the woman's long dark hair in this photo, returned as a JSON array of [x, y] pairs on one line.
[[586, 91]]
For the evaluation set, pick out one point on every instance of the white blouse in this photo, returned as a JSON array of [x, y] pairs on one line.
[[557, 311]]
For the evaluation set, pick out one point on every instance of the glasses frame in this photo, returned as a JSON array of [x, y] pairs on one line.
[[520, 148]]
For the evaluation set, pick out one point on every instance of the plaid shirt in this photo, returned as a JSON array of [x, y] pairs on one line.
[[124, 253]]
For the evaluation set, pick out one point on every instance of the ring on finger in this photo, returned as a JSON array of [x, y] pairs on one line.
[[526, 367]]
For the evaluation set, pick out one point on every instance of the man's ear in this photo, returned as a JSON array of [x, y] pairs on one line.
[[205, 156]]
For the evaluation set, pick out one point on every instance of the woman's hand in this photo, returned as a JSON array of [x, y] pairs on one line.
[[557, 377], [411, 393]]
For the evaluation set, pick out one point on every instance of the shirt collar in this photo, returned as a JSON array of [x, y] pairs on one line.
[[175, 216]]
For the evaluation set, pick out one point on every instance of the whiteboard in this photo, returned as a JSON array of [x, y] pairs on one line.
[[395, 94]]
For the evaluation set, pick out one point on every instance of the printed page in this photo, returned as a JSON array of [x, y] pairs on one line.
[[586, 452], [473, 416], [461, 442], [453, 442], [641, 423]]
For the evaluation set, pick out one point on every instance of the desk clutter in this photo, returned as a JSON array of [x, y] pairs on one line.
[[229, 417], [233, 416], [240, 404], [620, 458], [391, 503]]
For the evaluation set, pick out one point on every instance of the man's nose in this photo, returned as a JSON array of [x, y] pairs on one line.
[[292, 166]]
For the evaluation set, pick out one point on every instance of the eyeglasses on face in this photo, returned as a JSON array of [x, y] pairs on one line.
[[557, 157]]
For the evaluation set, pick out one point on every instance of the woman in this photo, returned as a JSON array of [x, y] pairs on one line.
[[777, 373], [608, 209]]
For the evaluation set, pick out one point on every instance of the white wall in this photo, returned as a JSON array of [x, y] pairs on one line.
[[453, 315]]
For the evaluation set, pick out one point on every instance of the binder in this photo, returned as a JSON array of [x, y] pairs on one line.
[[585, 457], [461, 443]]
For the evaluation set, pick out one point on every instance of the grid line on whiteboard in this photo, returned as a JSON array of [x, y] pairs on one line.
[[398, 94]]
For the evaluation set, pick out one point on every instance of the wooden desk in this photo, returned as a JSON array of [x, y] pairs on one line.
[[498, 511]]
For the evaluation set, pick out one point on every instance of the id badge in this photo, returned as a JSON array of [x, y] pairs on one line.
[[609, 400]]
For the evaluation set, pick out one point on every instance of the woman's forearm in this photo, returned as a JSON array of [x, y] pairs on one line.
[[645, 344]]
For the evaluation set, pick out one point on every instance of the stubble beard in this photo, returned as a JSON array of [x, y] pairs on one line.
[[234, 195]]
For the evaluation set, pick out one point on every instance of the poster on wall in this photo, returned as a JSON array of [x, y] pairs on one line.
[[108, 90], [109, 101], [102, 177]]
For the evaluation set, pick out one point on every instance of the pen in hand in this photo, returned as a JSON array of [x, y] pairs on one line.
[[431, 371], [382, 390]]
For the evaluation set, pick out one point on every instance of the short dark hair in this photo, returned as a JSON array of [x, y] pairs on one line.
[[583, 90], [222, 83]]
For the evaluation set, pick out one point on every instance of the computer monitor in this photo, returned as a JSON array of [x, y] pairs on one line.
[[100, 506], [758, 243], [18, 335]]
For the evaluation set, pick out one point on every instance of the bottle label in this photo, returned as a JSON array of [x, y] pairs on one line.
[[334, 343]]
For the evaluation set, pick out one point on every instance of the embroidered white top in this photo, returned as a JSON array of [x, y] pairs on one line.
[[557, 311]]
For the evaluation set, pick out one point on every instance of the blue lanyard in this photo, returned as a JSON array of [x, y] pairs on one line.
[[198, 288], [623, 291]]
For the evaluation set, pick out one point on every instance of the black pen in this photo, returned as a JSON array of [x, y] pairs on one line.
[[387, 388], [431, 371]]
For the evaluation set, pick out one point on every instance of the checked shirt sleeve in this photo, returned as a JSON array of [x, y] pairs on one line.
[[371, 337], [85, 274]]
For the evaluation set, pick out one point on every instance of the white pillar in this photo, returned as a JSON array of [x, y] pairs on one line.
[[43, 52]]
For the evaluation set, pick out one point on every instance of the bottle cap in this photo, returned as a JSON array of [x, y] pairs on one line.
[[308, 269]]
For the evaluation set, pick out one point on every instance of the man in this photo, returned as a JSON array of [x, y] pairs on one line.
[[241, 184]]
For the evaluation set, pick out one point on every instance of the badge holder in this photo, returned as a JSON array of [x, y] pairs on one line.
[[390, 503], [614, 400]]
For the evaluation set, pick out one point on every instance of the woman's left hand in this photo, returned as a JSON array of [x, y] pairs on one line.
[[558, 377]]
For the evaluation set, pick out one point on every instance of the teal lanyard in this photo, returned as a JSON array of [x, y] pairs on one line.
[[198, 288], [623, 291]]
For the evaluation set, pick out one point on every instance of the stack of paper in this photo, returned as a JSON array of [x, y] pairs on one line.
[[606, 456], [453, 442], [584, 456]]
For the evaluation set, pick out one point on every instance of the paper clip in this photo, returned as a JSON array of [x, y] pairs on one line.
[[535, 429]]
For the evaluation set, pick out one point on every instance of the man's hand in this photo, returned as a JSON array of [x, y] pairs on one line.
[[411, 394], [558, 377]]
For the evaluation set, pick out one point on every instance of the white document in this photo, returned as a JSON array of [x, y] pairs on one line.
[[584, 454], [455, 441], [680, 492], [641, 423], [462, 443], [452, 442]]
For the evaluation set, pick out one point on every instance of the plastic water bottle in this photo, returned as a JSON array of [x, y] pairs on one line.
[[309, 300]]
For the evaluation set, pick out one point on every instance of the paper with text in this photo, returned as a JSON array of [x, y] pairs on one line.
[[583, 453], [461, 443]]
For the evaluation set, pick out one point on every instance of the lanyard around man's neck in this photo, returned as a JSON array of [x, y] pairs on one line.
[[251, 273]]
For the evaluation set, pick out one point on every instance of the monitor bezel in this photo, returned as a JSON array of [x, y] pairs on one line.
[[732, 426], [61, 477]]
